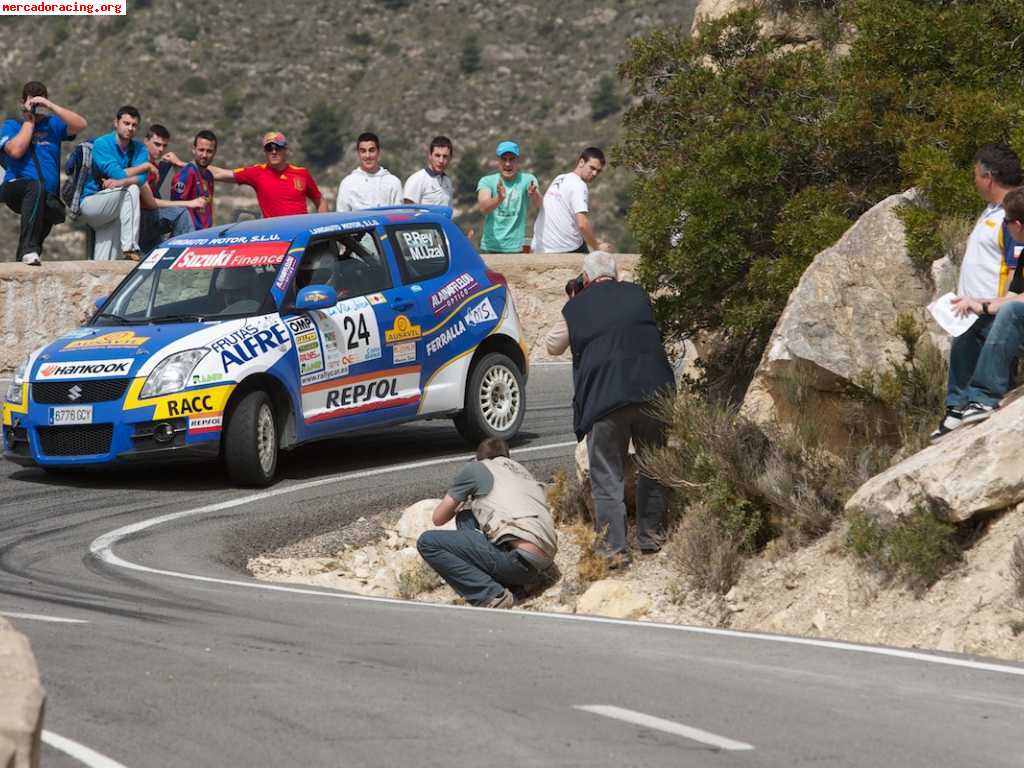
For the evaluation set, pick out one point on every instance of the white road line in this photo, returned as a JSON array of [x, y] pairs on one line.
[[668, 726], [41, 617], [80, 752], [102, 549]]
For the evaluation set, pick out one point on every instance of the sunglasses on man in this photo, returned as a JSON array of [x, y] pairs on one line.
[[271, 148]]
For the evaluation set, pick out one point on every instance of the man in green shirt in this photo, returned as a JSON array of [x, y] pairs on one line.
[[504, 199]]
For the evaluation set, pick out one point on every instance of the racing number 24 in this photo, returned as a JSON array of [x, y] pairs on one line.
[[356, 333]]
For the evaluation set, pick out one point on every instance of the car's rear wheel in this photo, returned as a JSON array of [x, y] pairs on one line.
[[251, 441], [495, 400]]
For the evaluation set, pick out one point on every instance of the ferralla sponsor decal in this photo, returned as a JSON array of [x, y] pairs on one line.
[[446, 337], [358, 394], [84, 369]]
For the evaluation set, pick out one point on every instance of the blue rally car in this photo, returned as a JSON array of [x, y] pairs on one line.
[[242, 340]]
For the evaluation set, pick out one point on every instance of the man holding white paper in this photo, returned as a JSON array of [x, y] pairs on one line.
[[991, 378], [983, 275]]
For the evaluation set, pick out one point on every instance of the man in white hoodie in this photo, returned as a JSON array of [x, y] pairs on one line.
[[369, 185]]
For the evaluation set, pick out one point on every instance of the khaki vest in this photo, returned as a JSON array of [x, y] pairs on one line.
[[516, 506]]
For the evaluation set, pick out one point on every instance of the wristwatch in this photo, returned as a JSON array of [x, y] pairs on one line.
[[984, 308]]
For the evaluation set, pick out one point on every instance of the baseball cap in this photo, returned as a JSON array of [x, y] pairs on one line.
[[507, 147], [274, 137]]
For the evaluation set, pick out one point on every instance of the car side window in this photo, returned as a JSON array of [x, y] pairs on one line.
[[352, 264], [422, 252]]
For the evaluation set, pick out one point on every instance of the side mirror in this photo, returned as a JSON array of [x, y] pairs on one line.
[[316, 297], [101, 301]]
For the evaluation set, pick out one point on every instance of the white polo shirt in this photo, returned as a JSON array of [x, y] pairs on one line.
[[428, 188], [556, 229], [982, 274]]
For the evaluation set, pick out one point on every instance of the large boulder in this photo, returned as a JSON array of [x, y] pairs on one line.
[[840, 322], [975, 469], [22, 700], [614, 599], [416, 519]]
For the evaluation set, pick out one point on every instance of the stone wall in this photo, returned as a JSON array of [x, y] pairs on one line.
[[21, 701], [39, 304]]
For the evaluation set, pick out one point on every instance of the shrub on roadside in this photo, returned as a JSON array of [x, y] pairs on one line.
[[567, 498], [704, 551], [919, 549]]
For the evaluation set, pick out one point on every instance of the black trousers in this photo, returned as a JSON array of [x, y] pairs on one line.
[[28, 198]]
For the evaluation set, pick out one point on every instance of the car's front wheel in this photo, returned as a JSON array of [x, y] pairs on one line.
[[495, 400], [251, 442]]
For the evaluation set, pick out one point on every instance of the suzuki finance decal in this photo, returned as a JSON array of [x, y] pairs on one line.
[[89, 369], [247, 255], [452, 293], [247, 343], [360, 394], [481, 313], [109, 341]]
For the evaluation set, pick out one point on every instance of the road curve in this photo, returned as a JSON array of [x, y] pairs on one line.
[[159, 670]]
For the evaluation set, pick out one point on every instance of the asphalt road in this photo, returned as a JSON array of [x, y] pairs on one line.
[[182, 659]]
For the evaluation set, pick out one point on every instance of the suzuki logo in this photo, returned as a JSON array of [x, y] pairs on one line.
[[75, 392]]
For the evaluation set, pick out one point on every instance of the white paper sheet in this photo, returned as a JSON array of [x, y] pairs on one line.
[[942, 311]]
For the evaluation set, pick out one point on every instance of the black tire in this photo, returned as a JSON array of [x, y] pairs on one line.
[[495, 400], [251, 441]]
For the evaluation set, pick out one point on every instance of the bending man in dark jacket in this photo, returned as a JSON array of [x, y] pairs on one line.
[[619, 365]]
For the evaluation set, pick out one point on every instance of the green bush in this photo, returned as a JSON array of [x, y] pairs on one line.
[[323, 137], [195, 85], [469, 58], [918, 549], [737, 143], [604, 101]]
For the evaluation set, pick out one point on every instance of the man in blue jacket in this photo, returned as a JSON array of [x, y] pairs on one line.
[[619, 367], [110, 196], [29, 146]]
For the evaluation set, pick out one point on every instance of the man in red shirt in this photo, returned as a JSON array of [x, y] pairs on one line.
[[281, 189]]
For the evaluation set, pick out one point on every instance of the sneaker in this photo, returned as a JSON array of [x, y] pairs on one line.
[[977, 412], [952, 420], [504, 600], [32, 259]]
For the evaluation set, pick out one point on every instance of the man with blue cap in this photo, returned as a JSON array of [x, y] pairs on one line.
[[503, 198]]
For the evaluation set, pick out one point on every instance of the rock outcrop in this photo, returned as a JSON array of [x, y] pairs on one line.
[[973, 470], [789, 29], [840, 322], [615, 599], [21, 701]]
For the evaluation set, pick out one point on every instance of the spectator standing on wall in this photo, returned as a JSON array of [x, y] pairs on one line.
[[563, 224], [504, 199], [195, 182], [282, 189], [111, 206], [29, 146], [432, 185], [161, 217], [369, 185]]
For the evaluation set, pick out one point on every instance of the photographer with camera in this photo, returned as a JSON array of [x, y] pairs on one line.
[[503, 547], [619, 366], [30, 151]]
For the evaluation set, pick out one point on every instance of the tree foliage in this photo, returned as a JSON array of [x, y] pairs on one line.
[[751, 158], [604, 101], [323, 138]]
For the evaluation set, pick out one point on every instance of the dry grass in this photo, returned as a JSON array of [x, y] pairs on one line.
[[592, 566], [701, 550], [567, 498], [1017, 566]]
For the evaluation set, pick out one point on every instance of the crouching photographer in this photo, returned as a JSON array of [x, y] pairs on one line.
[[619, 367]]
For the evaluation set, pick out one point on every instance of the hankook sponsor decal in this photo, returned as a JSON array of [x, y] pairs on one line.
[[85, 369]]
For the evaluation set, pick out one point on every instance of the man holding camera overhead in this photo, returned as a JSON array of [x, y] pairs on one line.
[[619, 367], [30, 150]]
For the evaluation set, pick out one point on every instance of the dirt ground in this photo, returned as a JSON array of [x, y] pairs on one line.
[[816, 591]]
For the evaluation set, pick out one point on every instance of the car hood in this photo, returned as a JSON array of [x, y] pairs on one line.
[[109, 350]]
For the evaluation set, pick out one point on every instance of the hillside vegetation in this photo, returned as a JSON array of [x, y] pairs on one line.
[[407, 69]]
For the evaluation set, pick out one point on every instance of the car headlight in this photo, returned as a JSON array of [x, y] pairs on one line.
[[172, 374], [14, 388]]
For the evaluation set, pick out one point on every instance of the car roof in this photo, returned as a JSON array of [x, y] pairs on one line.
[[291, 227]]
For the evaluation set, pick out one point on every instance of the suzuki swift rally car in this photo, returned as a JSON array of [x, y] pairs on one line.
[[242, 340]]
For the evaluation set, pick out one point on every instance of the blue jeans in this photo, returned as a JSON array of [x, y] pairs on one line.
[[474, 567], [963, 359], [991, 379], [157, 223]]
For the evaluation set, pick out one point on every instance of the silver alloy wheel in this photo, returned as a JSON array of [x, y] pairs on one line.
[[266, 438], [499, 398]]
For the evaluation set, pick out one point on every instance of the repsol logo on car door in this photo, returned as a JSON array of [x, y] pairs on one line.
[[358, 394]]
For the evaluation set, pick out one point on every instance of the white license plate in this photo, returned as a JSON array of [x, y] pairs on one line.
[[71, 414]]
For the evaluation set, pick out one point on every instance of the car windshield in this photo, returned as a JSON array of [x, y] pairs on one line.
[[195, 284]]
